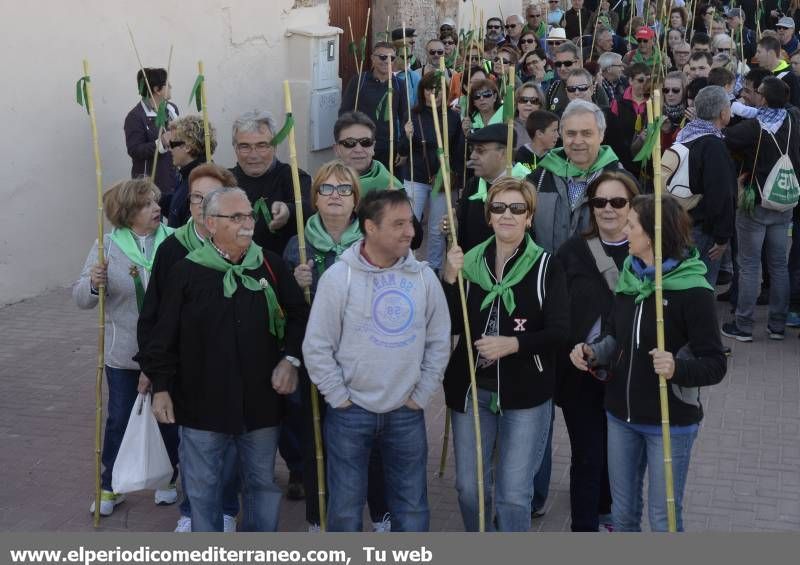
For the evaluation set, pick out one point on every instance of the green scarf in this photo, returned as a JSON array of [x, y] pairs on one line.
[[690, 273], [126, 241], [319, 238], [557, 163], [519, 171], [651, 61], [476, 271], [187, 236], [497, 118], [261, 208], [377, 176], [209, 257]]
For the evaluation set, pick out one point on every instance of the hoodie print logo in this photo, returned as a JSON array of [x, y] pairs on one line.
[[519, 324], [392, 310]]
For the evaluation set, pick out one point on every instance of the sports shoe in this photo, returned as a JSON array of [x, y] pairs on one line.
[[108, 500], [383, 526], [793, 320], [166, 496], [775, 336], [184, 524], [729, 329], [228, 523]]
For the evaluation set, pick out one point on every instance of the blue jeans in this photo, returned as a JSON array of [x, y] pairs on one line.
[[230, 486], [541, 480], [203, 459], [351, 434], [519, 437], [437, 244], [704, 242], [752, 232], [122, 395], [630, 453]]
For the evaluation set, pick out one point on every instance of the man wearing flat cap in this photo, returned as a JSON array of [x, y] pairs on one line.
[[411, 41], [789, 41], [741, 34], [488, 160]]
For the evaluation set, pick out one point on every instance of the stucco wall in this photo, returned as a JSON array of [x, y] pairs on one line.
[[47, 183]]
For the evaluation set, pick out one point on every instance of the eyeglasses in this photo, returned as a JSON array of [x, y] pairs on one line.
[[236, 218], [341, 189], [511, 26], [528, 100], [350, 142], [616, 202], [529, 40], [672, 90], [390, 57], [724, 49], [502, 60], [435, 52], [559, 64], [246, 148], [482, 94], [499, 208], [552, 2], [578, 88], [174, 144], [196, 198], [493, 26]]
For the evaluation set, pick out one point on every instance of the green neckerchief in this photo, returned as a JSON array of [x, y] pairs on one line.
[[652, 60], [319, 238], [557, 163], [497, 118], [541, 31], [476, 271], [690, 273], [377, 176], [126, 241], [187, 236], [262, 208], [209, 257], [519, 171]]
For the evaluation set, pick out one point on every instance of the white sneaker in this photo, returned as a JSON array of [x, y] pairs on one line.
[[184, 525], [166, 496], [314, 529], [228, 523], [383, 526], [108, 500]]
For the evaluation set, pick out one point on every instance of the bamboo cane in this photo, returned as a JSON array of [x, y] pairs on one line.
[[466, 114], [155, 156], [445, 443], [355, 58], [445, 125], [407, 67], [580, 35], [204, 107], [391, 131], [510, 134], [654, 110], [467, 333], [301, 242], [101, 301], [758, 20]]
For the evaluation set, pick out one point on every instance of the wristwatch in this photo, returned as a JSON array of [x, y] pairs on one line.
[[294, 361]]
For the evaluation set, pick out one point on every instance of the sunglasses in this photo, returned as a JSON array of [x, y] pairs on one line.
[[435, 52], [529, 40], [384, 57], [342, 189], [672, 90], [552, 2], [499, 208], [494, 27], [643, 40], [483, 94], [502, 60], [351, 142], [528, 100], [616, 202], [174, 144], [578, 88], [559, 64], [449, 42], [511, 26]]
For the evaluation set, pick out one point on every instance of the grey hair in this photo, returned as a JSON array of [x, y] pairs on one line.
[[710, 102], [567, 47], [580, 72], [719, 38], [579, 106], [252, 122], [609, 59], [211, 200], [520, 19]]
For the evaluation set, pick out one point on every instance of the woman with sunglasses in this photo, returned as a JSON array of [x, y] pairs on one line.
[[592, 262], [187, 146], [427, 182], [449, 39], [506, 56], [485, 106], [629, 115], [692, 358], [674, 98], [517, 313], [528, 42], [528, 99]]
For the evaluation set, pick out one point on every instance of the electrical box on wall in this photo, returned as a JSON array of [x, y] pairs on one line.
[[324, 112]]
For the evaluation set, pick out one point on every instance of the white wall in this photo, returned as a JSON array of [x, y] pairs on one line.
[[47, 186]]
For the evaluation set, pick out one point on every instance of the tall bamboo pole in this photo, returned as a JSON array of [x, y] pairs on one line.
[[467, 333], [465, 110], [580, 34], [155, 155], [391, 129], [355, 58], [510, 124], [149, 92], [204, 107], [445, 125], [407, 67], [301, 242], [654, 110], [101, 301]]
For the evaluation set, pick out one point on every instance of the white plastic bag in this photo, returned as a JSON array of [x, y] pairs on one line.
[[142, 461]]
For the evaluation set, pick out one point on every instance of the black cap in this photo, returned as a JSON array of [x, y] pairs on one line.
[[397, 34], [494, 133]]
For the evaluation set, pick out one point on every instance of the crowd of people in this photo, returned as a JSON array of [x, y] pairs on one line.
[[205, 283]]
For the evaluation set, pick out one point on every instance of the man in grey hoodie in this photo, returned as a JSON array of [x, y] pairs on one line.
[[377, 344]]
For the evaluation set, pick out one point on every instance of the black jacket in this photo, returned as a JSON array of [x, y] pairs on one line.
[[691, 333], [216, 354], [712, 174], [526, 378], [140, 140], [179, 205], [275, 186], [426, 163]]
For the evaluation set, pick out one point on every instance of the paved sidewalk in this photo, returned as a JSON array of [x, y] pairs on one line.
[[745, 473]]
